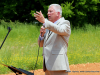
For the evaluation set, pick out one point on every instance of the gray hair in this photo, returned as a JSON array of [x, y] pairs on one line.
[[57, 8]]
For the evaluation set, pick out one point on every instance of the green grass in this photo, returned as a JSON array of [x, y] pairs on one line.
[[21, 49], [84, 45]]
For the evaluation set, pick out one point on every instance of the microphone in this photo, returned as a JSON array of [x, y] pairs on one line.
[[9, 29], [41, 34]]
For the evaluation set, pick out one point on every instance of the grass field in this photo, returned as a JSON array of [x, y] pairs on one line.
[[21, 49]]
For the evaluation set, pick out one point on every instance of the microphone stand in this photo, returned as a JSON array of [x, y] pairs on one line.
[[9, 29], [17, 71]]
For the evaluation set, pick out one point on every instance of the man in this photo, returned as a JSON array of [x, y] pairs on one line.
[[54, 36]]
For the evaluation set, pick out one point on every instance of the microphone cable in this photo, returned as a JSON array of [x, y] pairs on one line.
[[37, 55]]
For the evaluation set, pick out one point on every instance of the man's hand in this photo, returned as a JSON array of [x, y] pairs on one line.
[[39, 16], [42, 31]]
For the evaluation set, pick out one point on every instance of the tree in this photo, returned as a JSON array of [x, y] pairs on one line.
[[78, 12]]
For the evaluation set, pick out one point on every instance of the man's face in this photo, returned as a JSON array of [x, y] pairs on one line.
[[52, 14]]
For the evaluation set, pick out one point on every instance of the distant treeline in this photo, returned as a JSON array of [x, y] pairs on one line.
[[78, 12]]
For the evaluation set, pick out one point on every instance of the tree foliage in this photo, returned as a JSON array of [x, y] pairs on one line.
[[84, 11], [78, 12]]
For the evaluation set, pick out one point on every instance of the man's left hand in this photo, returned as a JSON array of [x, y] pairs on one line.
[[39, 16]]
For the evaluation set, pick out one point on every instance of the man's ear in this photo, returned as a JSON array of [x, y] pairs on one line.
[[58, 13]]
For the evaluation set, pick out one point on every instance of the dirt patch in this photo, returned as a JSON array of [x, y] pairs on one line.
[[79, 69]]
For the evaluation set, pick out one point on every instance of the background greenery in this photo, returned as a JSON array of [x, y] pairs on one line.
[[21, 49], [78, 12]]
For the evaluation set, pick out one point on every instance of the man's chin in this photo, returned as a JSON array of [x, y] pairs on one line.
[[50, 20]]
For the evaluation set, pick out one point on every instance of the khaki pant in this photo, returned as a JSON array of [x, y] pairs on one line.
[[55, 72]]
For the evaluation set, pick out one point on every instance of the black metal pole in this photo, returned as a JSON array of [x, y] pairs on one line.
[[9, 29], [18, 71]]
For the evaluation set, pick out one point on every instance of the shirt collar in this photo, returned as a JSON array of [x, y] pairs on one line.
[[56, 21]]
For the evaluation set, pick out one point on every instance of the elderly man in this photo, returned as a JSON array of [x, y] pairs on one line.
[[54, 37]]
